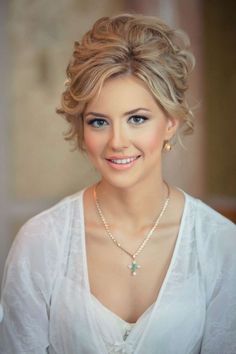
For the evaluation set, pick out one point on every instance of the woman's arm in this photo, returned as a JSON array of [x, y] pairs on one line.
[[220, 325], [26, 288]]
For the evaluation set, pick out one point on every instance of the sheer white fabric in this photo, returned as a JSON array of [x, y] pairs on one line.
[[48, 307], [108, 318]]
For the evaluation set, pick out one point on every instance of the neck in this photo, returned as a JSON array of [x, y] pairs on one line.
[[135, 206]]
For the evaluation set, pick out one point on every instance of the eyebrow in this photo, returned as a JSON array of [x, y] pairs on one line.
[[125, 114]]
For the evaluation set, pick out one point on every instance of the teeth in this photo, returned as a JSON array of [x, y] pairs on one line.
[[124, 161]]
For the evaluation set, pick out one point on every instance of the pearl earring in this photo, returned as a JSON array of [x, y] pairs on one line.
[[167, 147]]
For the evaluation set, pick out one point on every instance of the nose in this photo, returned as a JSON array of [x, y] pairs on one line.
[[119, 138]]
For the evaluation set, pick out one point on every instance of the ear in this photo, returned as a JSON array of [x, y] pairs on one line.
[[171, 127]]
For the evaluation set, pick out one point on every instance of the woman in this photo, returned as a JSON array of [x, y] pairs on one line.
[[131, 264]]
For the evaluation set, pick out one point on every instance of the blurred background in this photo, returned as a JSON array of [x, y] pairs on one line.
[[37, 167]]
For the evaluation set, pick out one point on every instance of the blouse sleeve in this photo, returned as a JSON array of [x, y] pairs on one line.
[[26, 288], [220, 267]]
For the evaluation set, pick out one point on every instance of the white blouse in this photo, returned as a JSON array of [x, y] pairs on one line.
[[112, 319], [48, 307]]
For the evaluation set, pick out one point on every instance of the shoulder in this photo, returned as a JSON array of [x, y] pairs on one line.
[[208, 221], [46, 233], [215, 234], [56, 217], [214, 237], [39, 250]]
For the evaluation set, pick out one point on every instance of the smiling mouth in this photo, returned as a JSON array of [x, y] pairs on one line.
[[123, 161]]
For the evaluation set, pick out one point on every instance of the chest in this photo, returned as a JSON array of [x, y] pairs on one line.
[[176, 320], [174, 324], [110, 277]]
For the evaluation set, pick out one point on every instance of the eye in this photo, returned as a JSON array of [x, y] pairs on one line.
[[97, 122], [137, 120]]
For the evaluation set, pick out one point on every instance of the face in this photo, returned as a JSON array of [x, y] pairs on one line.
[[124, 132]]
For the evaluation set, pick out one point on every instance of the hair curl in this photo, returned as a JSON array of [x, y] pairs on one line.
[[138, 45]]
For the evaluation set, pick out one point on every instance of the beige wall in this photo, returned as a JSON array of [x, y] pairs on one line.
[[42, 41]]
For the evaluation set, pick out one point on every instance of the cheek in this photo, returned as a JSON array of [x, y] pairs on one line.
[[154, 141], [92, 143]]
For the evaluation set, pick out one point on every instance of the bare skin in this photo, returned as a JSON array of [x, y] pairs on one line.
[[110, 279]]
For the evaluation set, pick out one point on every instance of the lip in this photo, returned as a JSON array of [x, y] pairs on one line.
[[122, 166], [121, 157]]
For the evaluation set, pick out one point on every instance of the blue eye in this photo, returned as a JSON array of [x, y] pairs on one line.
[[137, 120], [97, 122]]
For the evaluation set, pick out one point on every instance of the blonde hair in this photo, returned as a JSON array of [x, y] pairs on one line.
[[138, 45]]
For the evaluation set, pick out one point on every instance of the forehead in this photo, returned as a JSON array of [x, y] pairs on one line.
[[122, 93]]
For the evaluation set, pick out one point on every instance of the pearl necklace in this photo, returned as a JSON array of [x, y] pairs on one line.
[[134, 265]]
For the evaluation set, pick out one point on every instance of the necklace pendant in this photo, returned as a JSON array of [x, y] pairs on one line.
[[133, 267]]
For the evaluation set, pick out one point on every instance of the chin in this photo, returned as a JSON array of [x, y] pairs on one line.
[[120, 182]]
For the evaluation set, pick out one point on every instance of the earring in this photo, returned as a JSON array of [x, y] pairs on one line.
[[167, 147]]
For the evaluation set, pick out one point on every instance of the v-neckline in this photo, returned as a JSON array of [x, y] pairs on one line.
[[167, 275], [117, 316]]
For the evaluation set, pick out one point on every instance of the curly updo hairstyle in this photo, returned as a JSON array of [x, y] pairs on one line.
[[126, 44]]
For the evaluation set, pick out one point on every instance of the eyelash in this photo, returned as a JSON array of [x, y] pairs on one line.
[[96, 120], [139, 117], [93, 121]]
